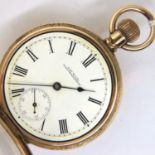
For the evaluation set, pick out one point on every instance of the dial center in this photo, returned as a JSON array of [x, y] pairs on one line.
[[57, 86], [35, 104]]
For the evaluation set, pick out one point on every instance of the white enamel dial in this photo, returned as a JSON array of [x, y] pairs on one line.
[[72, 82]]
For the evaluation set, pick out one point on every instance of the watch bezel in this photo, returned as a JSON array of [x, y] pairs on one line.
[[115, 75]]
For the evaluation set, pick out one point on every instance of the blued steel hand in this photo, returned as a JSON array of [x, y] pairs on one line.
[[30, 84], [56, 86], [34, 103], [79, 89]]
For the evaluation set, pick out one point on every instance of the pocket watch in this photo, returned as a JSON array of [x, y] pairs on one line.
[[61, 84]]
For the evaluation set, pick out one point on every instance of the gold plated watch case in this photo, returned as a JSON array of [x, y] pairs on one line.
[[114, 71], [13, 133]]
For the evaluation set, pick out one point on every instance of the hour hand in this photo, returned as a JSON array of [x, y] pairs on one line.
[[80, 89], [58, 86]]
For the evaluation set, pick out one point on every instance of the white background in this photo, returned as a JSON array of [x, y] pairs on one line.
[[133, 130]]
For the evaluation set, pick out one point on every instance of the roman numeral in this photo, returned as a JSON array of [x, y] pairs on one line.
[[17, 92], [63, 126], [97, 80], [71, 48], [94, 101], [42, 126], [91, 58], [19, 71], [32, 55], [82, 117], [51, 48]]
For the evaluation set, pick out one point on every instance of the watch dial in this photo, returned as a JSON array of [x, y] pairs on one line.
[[57, 86]]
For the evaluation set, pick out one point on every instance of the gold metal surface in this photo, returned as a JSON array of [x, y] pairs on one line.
[[116, 40], [13, 132], [114, 71], [129, 29], [140, 10]]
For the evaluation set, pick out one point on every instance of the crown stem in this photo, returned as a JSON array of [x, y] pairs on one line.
[[127, 32]]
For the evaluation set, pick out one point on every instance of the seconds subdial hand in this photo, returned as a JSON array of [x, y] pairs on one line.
[[34, 103], [56, 86]]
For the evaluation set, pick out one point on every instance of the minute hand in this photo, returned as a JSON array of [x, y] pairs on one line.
[[31, 84]]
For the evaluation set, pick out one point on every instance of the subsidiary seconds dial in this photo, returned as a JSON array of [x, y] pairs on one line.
[[34, 104], [60, 86]]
